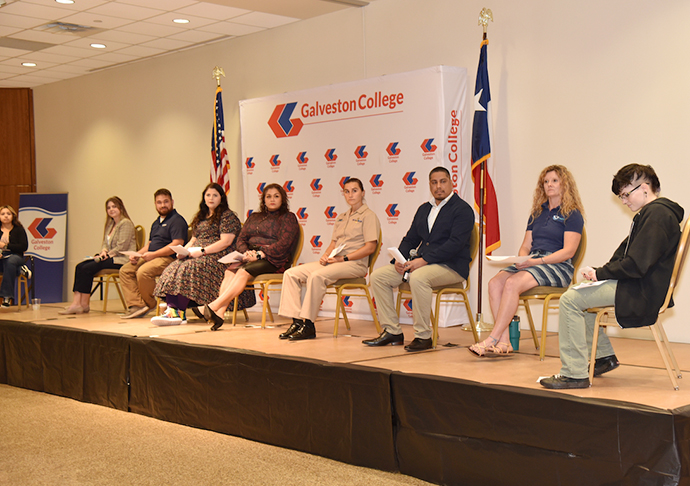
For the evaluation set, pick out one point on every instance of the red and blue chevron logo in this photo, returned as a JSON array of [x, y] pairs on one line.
[[249, 162], [376, 181], [260, 187], [249, 212], [330, 212], [302, 213], [315, 241], [428, 146], [288, 187], [393, 149], [280, 122], [330, 155], [392, 211], [275, 161], [302, 158], [360, 153], [315, 185], [39, 228], [408, 304], [343, 181], [346, 301], [409, 179]]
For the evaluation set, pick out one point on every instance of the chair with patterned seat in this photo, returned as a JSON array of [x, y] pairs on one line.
[[549, 295], [108, 276]]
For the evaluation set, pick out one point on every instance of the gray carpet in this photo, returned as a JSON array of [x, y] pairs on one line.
[[46, 440]]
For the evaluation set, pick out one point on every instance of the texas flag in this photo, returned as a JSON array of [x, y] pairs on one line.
[[481, 152]]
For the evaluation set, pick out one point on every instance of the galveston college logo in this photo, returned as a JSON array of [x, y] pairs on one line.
[[302, 161], [408, 307], [280, 122], [260, 187], [361, 155], [428, 148], [316, 244], [302, 216], [343, 181], [289, 188], [39, 229], [250, 164], [316, 187], [410, 181], [376, 184], [330, 215], [347, 303], [331, 157], [392, 214], [393, 152], [275, 163]]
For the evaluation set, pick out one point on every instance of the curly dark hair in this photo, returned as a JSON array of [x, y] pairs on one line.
[[635, 174], [284, 203], [204, 211]]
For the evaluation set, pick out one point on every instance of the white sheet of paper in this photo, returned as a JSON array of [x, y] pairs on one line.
[[181, 250], [233, 257], [336, 250], [508, 258], [586, 283], [395, 253]]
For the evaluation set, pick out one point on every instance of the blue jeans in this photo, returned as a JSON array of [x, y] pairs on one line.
[[9, 267]]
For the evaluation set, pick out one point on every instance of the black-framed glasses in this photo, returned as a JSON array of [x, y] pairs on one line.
[[626, 195]]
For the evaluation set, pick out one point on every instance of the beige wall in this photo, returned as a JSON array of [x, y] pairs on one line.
[[592, 85]]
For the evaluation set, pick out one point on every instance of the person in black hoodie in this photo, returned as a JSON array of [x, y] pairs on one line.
[[635, 280]]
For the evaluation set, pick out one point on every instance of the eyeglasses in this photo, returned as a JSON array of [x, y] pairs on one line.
[[626, 195]]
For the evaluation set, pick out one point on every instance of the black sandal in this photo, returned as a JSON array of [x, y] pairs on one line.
[[212, 318]]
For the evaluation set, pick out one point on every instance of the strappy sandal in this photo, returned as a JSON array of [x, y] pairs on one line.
[[499, 350], [481, 349]]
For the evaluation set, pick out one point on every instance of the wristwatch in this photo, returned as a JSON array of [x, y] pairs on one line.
[[203, 250], [346, 259], [258, 256]]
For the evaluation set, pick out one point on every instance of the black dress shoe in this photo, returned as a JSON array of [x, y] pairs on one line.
[[560, 382], [212, 318], [306, 331], [294, 327], [198, 311], [386, 338], [605, 364], [419, 344]]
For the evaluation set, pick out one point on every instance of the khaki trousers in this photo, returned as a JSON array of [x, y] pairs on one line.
[[314, 277], [385, 279], [138, 281]]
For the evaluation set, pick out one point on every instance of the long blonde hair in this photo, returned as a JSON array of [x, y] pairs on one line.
[[108, 220], [570, 197]]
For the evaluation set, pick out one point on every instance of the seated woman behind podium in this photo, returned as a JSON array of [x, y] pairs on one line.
[[194, 279], [355, 234], [13, 243], [554, 230], [118, 236], [267, 241], [635, 279]]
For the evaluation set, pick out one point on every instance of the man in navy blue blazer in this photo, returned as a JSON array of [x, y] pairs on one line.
[[437, 247]]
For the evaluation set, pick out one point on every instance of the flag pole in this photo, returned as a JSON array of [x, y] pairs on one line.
[[484, 16]]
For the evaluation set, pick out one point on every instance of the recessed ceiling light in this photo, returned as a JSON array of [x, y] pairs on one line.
[[65, 2], [98, 46], [181, 21], [29, 64]]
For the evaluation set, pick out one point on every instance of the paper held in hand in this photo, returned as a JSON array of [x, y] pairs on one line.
[[233, 257], [336, 250], [395, 253], [181, 250], [508, 259]]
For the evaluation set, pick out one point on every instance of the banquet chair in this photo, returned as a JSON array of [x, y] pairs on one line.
[[603, 314], [444, 292], [344, 286], [549, 295]]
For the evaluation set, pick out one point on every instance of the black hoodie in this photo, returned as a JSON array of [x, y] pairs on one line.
[[643, 263]]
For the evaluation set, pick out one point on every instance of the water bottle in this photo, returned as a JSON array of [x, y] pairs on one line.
[[514, 331]]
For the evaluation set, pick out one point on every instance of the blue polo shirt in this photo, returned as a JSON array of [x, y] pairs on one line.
[[173, 227], [548, 228]]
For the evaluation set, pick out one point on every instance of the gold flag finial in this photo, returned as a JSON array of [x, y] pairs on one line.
[[217, 73], [484, 16]]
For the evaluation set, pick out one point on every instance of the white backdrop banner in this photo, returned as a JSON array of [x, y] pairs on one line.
[[388, 131]]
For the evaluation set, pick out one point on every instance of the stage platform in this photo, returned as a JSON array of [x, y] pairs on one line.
[[441, 415]]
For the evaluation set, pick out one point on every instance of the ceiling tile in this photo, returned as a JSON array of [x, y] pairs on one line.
[[196, 36], [86, 42], [90, 63], [229, 28], [121, 10], [194, 22], [77, 6], [68, 68], [42, 36], [95, 20], [140, 51], [260, 19], [49, 57], [212, 11], [77, 52], [161, 4], [167, 44], [5, 31], [36, 11], [19, 21], [13, 67], [6, 51], [115, 58], [148, 28]]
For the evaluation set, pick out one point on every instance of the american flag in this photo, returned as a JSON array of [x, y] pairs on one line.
[[219, 156], [481, 152]]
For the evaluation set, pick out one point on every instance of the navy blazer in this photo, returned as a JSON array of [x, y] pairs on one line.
[[449, 240]]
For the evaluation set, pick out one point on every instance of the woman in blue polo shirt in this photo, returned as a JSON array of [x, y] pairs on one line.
[[553, 234]]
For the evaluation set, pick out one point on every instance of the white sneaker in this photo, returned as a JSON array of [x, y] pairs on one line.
[[24, 270], [172, 317]]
